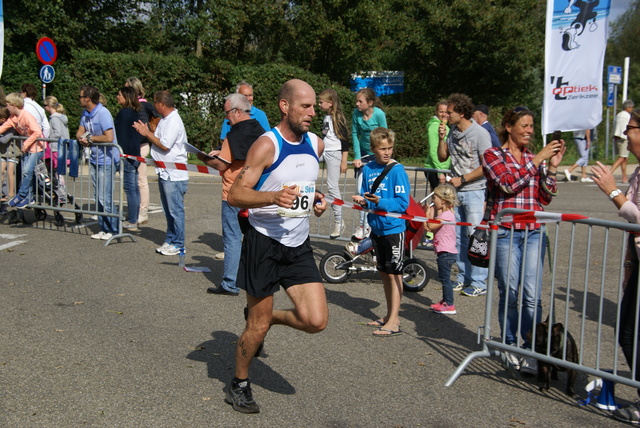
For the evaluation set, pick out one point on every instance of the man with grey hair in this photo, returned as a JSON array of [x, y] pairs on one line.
[[229, 161], [246, 89], [622, 120]]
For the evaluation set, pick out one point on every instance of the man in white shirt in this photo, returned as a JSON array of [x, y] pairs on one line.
[[168, 145], [29, 94], [622, 120]]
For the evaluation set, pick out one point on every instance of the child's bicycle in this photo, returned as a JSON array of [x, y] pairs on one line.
[[337, 266]]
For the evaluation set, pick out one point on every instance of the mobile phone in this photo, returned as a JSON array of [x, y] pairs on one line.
[[557, 135], [367, 194]]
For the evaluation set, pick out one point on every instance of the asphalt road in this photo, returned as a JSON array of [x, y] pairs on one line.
[[121, 336]]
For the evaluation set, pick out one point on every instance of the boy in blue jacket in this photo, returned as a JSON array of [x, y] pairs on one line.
[[387, 233]]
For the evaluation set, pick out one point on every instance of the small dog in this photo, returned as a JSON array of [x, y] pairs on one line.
[[559, 336]]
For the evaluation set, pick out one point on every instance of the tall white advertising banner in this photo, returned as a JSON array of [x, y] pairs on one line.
[[575, 43]]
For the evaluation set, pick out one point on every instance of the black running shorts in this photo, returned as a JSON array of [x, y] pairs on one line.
[[266, 264]]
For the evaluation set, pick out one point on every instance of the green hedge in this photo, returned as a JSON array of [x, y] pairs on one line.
[[199, 88]]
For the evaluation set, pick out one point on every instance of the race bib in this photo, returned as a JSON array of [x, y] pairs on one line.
[[303, 204]]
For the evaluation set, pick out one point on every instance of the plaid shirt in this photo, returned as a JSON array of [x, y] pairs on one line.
[[514, 184]]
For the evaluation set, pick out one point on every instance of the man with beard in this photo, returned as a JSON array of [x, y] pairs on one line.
[[277, 185]]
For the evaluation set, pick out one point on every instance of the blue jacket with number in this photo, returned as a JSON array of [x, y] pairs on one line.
[[394, 191]]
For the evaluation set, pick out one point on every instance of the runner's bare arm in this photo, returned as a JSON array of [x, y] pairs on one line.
[[243, 195]]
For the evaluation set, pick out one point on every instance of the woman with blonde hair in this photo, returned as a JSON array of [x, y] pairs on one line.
[[336, 149], [57, 119], [147, 111], [32, 150]]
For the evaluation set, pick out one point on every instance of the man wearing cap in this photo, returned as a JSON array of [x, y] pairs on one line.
[[481, 116]]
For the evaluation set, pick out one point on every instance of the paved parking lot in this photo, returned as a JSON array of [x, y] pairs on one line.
[[120, 336]]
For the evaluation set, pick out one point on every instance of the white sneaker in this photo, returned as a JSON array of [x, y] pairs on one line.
[[514, 360], [529, 365], [338, 228], [163, 247], [586, 180], [361, 233], [352, 248], [171, 250], [567, 174], [219, 256], [101, 235]]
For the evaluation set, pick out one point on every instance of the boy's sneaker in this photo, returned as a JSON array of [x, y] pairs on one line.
[[338, 228], [163, 247], [15, 200], [361, 233], [241, 398], [629, 414], [24, 202], [131, 227], [171, 250], [443, 308], [458, 286], [437, 304], [352, 248], [473, 291]]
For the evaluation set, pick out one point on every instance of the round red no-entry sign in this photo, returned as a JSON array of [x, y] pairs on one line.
[[47, 51]]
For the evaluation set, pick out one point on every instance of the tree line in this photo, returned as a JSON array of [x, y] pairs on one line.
[[492, 50]]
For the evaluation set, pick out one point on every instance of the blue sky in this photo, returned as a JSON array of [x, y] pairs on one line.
[[617, 8]]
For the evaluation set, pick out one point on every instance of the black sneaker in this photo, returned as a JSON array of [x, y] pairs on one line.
[[241, 398], [261, 347]]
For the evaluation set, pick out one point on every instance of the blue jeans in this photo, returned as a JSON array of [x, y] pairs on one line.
[[68, 151], [471, 210], [525, 262], [445, 261], [172, 198], [131, 189], [29, 162], [103, 177], [232, 240]]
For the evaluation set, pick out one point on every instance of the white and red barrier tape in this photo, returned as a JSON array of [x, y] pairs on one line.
[[172, 165], [525, 217]]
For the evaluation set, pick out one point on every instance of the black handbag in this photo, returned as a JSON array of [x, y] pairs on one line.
[[480, 239]]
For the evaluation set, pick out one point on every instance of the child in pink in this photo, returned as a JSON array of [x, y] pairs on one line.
[[444, 241]]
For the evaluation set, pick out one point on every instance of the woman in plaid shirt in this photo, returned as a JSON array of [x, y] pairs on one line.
[[515, 180]]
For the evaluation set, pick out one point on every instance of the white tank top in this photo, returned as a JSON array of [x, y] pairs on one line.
[[294, 164]]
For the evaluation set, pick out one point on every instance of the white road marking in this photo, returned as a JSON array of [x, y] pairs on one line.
[[11, 244]]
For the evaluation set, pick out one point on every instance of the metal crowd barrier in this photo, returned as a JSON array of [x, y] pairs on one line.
[[582, 288], [320, 227], [65, 191]]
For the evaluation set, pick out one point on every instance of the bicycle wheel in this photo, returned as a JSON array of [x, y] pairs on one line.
[[415, 275], [329, 267]]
